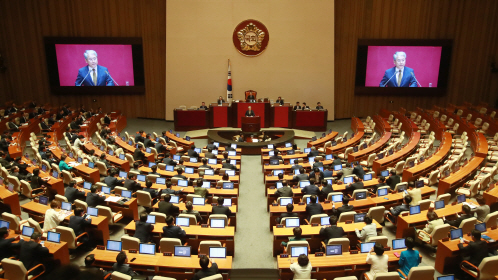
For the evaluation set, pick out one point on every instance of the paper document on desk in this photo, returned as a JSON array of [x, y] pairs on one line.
[[73, 164], [487, 238], [472, 206], [113, 198]]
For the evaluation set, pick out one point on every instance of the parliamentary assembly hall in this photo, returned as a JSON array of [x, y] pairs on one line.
[[249, 139]]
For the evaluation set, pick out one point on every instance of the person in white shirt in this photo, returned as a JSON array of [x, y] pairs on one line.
[[301, 269], [370, 230], [378, 261], [415, 193], [53, 217], [79, 142]]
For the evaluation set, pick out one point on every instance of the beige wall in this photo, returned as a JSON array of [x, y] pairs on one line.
[[298, 63]]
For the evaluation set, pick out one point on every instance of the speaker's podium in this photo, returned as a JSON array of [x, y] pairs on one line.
[[251, 124]]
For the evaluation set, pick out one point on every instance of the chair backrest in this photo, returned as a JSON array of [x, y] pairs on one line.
[[315, 219], [213, 277], [206, 244], [60, 198], [469, 117], [377, 213], [371, 159], [478, 121], [399, 185], [130, 159], [219, 216], [360, 191], [118, 190], [162, 278], [120, 276], [439, 233], [329, 196], [36, 225], [346, 216], [14, 269], [80, 204], [387, 276], [399, 167], [190, 197], [425, 204], [14, 181], [346, 278], [26, 189], [421, 272], [160, 217], [168, 244], [446, 197], [14, 220], [102, 168], [347, 152], [56, 168], [130, 242], [468, 225], [491, 219], [380, 239], [67, 235], [192, 218], [450, 122], [106, 211], [436, 114], [488, 268], [291, 244], [144, 199], [66, 177], [344, 242]]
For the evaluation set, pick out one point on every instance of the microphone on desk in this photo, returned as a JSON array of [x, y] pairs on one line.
[[390, 78], [413, 75], [84, 78]]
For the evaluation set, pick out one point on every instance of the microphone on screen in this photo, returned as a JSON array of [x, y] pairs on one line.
[[413, 75], [84, 78], [390, 78], [111, 78]]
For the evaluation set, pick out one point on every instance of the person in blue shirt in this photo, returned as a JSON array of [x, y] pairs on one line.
[[63, 165], [408, 259]]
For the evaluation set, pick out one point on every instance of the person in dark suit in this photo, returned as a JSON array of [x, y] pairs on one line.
[[121, 265], [358, 170], [344, 208], [328, 172], [393, 179], [179, 173], [311, 188], [276, 155], [14, 171], [241, 138], [326, 189], [394, 212], [112, 180], [169, 160], [4, 161], [313, 153], [70, 136], [226, 164], [24, 118], [139, 137], [319, 106], [13, 126], [22, 166], [107, 119], [313, 207], [332, 230], [93, 74], [284, 191], [148, 141], [305, 107], [209, 154], [211, 145], [153, 192], [88, 267], [356, 185], [173, 231], [189, 209], [93, 198], [5, 143], [467, 214], [79, 224], [382, 183], [475, 251], [138, 154], [72, 193], [7, 246], [131, 183], [36, 181], [220, 101], [317, 174], [167, 207], [279, 101], [203, 106], [153, 170], [337, 161], [296, 166], [206, 271], [318, 162], [32, 253], [220, 209], [297, 106], [143, 230], [250, 112], [399, 75], [192, 153], [205, 163], [302, 176], [289, 214]]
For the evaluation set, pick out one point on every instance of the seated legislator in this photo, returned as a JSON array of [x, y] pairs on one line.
[[328, 232], [302, 176], [475, 251], [220, 100], [368, 231], [394, 212], [143, 230], [205, 271], [250, 112], [203, 106], [168, 208], [356, 185], [319, 106], [482, 210], [409, 258], [313, 208], [289, 214], [190, 210], [433, 222], [399, 75], [93, 198], [220, 209], [121, 265], [311, 188], [251, 97], [467, 214], [305, 107], [32, 253], [297, 107], [93, 74], [72, 193], [284, 191], [173, 231], [378, 261], [7, 245], [393, 179], [199, 190], [344, 208], [52, 217], [298, 231], [78, 223], [301, 268], [279, 101], [132, 183]]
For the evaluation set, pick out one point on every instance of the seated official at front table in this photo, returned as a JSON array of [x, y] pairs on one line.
[[250, 97], [305, 107], [220, 100], [297, 107], [250, 112], [203, 106], [279, 101], [319, 106]]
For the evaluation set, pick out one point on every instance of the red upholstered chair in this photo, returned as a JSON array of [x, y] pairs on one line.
[[251, 92]]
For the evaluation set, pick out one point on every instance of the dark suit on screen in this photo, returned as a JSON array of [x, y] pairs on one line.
[[103, 78], [408, 80]]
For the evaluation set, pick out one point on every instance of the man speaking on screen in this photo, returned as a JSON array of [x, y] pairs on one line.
[[399, 75], [93, 74]]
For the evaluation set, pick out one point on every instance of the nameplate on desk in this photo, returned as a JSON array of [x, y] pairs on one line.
[[494, 227], [314, 224], [349, 222], [202, 255], [294, 187], [167, 254], [204, 225], [284, 256], [387, 248], [327, 202], [274, 204], [272, 188], [445, 239], [301, 203], [132, 251], [99, 247], [319, 254], [280, 226], [352, 252]]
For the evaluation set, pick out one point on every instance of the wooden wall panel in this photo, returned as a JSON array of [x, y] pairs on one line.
[[24, 23], [472, 25]]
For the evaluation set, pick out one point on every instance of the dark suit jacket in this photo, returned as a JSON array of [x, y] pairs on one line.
[[326, 190], [297, 108], [313, 209], [358, 171], [458, 221], [84, 78], [203, 273], [313, 153], [320, 177], [212, 146], [301, 177], [32, 253], [408, 80], [276, 157], [78, 224], [284, 192], [209, 155], [112, 182], [148, 143], [229, 166], [310, 189], [173, 232], [296, 166], [287, 215], [36, 182], [124, 268], [393, 180], [131, 185], [143, 231], [331, 232], [169, 161], [7, 247], [139, 138], [93, 199], [337, 161], [72, 194], [355, 186], [327, 173], [192, 153], [400, 208], [153, 192], [138, 154], [342, 209], [250, 113], [168, 208], [475, 250], [222, 210]]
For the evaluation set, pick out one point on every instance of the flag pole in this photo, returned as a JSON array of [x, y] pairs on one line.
[[229, 84]]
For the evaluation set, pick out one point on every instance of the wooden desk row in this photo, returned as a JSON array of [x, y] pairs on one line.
[[89, 174], [170, 174], [60, 251], [119, 163], [358, 129], [321, 142], [234, 193]]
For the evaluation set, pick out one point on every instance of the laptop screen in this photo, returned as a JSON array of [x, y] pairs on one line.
[[208, 171], [360, 195], [141, 178], [193, 159], [480, 227], [348, 180], [227, 202], [296, 172], [365, 247], [334, 250], [206, 184], [218, 252], [182, 251], [279, 185], [367, 177], [161, 181], [123, 174], [216, 144], [44, 168], [92, 211], [337, 198], [296, 251], [276, 172], [230, 172], [439, 204], [148, 249], [198, 201], [126, 194], [358, 218], [292, 222], [91, 164], [43, 200], [285, 201], [311, 160], [212, 161], [449, 277], [271, 153], [111, 152], [151, 219], [419, 183], [106, 190], [217, 223], [274, 162], [355, 149], [66, 206], [189, 170], [181, 221], [176, 157], [234, 146], [325, 221], [80, 160], [114, 245], [183, 183], [414, 210], [461, 198], [151, 164], [121, 156], [28, 231], [303, 184], [174, 199], [197, 150], [384, 173], [4, 224], [329, 157], [456, 233], [233, 162], [381, 192], [291, 152], [170, 168], [270, 146], [53, 237], [232, 153], [215, 152], [307, 150], [55, 174], [399, 244], [87, 185], [228, 185], [288, 145]]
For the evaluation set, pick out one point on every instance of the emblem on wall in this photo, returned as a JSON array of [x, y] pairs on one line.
[[251, 37]]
